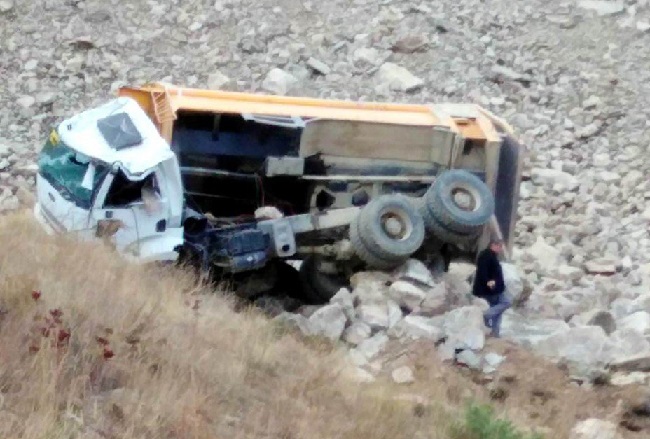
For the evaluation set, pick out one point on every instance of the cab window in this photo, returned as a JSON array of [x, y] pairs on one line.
[[124, 192]]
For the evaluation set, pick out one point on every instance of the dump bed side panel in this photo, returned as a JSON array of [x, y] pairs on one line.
[[376, 141]]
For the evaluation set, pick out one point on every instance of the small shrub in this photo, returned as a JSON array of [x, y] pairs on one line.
[[480, 422]]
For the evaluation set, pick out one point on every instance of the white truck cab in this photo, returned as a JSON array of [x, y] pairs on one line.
[[107, 173]]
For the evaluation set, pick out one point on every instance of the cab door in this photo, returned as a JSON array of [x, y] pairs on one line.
[[132, 216]]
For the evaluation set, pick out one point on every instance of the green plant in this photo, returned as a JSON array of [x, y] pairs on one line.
[[480, 422]]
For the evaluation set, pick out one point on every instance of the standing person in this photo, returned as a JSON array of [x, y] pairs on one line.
[[489, 285]]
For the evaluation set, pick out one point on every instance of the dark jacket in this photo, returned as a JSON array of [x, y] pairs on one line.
[[488, 268]]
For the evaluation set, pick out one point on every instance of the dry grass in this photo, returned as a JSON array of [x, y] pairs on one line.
[[114, 350]]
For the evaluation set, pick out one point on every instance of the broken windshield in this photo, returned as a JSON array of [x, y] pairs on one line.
[[65, 168]]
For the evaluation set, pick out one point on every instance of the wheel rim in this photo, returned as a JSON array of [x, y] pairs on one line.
[[466, 198], [396, 225]]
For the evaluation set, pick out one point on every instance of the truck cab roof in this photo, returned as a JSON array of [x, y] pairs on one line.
[[118, 131]]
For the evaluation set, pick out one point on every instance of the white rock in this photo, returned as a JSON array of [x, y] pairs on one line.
[[601, 266], [217, 80], [643, 26], [582, 346], [594, 429], [318, 66], [553, 177], [365, 56], [591, 102], [26, 101], [632, 179], [279, 82], [596, 317], [356, 333], [329, 321], [369, 348], [403, 375], [360, 375], [638, 321], [627, 379], [545, 257], [31, 64], [346, 301], [641, 303], [464, 328], [567, 272], [374, 315], [406, 294], [415, 327], [513, 280], [397, 78], [603, 7], [435, 301], [625, 343], [469, 358], [621, 307], [296, 320], [493, 359], [370, 287], [394, 313], [6, 6], [415, 270], [529, 331]]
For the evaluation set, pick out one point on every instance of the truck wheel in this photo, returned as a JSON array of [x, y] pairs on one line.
[[459, 201], [365, 254], [390, 227], [318, 286], [444, 234]]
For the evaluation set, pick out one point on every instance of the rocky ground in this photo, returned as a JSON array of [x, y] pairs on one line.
[[571, 76]]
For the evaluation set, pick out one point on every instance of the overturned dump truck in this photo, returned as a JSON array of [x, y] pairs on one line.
[[240, 184]]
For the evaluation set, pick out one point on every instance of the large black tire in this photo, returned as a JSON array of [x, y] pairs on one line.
[[443, 234], [390, 227], [317, 286], [365, 254], [441, 203]]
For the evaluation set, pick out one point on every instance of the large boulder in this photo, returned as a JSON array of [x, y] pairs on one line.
[[594, 429], [625, 343], [458, 282], [357, 332], [415, 271], [638, 321], [529, 331], [279, 82], [597, 317], [583, 347], [329, 321], [416, 327], [464, 328], [346, 301], [513, 280], [435, 302], [368, 349], [622, 307], [407, 295], [542, 257], [397, 78], [370, 286]]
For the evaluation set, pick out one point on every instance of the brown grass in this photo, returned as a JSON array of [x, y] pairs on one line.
[[115, 350]]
